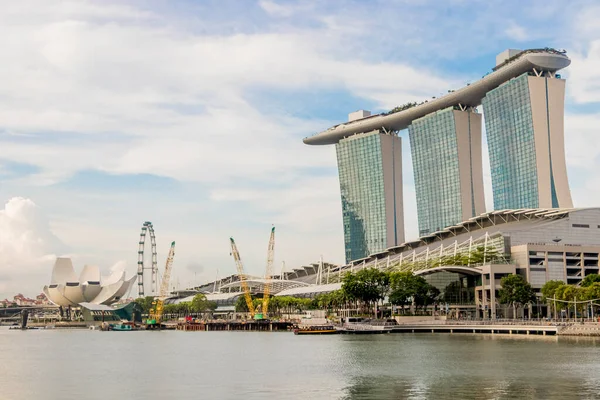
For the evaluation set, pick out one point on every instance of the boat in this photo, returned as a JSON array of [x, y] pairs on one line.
[[357, 325], [121, 327], [316, 330]]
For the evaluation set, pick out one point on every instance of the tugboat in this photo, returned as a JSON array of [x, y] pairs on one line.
[[316, 330], [122, 327]]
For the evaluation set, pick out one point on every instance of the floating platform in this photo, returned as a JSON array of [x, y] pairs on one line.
[[254, 326]]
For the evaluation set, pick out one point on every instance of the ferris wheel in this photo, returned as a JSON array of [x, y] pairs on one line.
[[147, 230]]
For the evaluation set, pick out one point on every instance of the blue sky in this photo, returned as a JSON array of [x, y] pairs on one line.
[[191, 114]]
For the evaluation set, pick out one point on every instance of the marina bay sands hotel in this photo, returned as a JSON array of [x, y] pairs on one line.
[[523, 104]]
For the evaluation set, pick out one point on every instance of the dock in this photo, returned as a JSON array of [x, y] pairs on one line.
[[478, 328]]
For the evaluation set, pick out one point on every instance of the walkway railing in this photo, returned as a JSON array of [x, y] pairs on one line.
[[530, 322]]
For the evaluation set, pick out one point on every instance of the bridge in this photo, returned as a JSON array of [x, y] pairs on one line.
[[9, 312]]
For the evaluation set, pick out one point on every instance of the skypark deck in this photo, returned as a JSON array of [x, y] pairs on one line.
[[540, 60]]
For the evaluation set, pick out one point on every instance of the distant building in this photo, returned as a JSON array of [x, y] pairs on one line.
[[446, 155], [6, 303], [523, 105], [67, 289], [21, 300], [370, 171], [41, 299], [525, 134], [467, 261]]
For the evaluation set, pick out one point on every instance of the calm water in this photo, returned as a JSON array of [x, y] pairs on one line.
[[57, 364]]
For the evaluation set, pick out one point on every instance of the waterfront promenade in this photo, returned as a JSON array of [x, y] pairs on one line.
[[519, 326]]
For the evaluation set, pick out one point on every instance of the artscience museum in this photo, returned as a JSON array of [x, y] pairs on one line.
[[66, 289]]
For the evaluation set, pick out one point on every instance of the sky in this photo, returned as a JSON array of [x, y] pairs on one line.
[[191, 114]]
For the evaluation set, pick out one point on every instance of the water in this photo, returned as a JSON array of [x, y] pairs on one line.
[[81, 364]]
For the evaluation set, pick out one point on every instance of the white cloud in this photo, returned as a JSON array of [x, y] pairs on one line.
[[121, 89], [584, 74], [27, 247], [517, 32], [582, 141], [278, 10], [72, 72]]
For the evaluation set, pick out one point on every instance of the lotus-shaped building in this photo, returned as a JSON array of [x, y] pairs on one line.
[[66, 289]]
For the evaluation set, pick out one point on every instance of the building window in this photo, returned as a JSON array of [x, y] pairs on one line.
[[580, 226]]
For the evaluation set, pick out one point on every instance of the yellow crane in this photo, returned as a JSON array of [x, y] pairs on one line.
[[242, 276], [156, 312], [268, 273], [264, 307]]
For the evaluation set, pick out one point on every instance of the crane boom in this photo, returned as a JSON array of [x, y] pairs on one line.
[[157, 311], [268, 273], [242, 276]]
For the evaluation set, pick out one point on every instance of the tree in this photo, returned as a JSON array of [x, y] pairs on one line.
[[549, 289], [145, 303], [212, 306], [590, 279], [199, 303], [423, 293], [240, 304], [400, 288], [515, 291], [368, 285]]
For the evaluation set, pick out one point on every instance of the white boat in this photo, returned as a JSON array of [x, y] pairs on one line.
[[365, 325]]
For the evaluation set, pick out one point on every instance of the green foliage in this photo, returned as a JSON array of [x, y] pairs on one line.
[[183, 308], [240, 305], [477, 256], [145, 303], [549, 289], [403, 107], [589, 290], [211, 306], [288, 304], [277, 304], [590, 279], [332, 300], [592, 292], [199, 303], [401, 291], [368, 285], [407, 288], [515, 291]]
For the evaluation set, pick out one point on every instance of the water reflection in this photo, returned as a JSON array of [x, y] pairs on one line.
[[476, 367], [236, 365], [390, 387]]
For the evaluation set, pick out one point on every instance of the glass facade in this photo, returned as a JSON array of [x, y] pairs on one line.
[[361, 172], [454, 288], [434, 151], [511, 145]]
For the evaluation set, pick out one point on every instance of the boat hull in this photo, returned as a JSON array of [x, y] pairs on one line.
[[315, 332]]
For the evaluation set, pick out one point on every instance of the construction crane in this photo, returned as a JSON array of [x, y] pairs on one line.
[[268, 273], [156, 312], [242, 276]]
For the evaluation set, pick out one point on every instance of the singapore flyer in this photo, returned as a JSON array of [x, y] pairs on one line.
[[145, 263]]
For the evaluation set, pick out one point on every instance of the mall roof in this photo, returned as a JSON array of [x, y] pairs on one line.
[[469, 96], [310, 289], [479, 222]]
